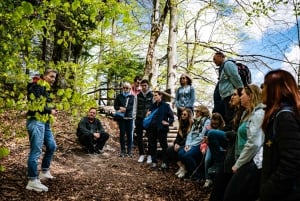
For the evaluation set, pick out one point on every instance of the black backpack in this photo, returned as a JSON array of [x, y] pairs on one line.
[[244, 72]]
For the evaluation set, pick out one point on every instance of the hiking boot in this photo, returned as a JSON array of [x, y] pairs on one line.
[[149, 159], [36, 185], [99, 151], [141, 158], [45, 175]]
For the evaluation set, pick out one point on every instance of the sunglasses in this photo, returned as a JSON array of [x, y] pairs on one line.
[[184, 114], [125, 87], [183, 78]]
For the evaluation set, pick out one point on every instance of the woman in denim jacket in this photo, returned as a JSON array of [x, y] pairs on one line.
[[185, 95], [190, 155]]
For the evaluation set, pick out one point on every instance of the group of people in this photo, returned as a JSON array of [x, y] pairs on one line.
[[247, 149]]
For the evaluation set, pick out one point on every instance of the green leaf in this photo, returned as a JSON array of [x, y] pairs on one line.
[[27, 8], [3, 152]]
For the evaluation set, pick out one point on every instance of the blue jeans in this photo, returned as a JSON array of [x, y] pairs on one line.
[[216, 141], [191, 159], [126, 126], [39, 133]]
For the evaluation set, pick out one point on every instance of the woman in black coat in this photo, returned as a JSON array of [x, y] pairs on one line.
[[159, 128], [280, 178]]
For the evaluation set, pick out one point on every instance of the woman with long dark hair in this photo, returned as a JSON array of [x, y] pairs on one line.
[[280, 178], [185, 126]]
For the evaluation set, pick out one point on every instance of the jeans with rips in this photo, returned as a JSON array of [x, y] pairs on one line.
[[39, 134]]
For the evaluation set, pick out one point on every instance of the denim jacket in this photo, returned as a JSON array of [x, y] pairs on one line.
[[253, 147], [229, 79], [185, 97], [195, 137]]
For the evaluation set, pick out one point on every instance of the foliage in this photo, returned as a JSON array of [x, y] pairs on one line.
[[3, 152]]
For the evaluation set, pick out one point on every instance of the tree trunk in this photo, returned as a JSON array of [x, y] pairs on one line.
[[172, 48], [156, 29]]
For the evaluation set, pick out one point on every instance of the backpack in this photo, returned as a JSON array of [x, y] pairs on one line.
[[244, 72]]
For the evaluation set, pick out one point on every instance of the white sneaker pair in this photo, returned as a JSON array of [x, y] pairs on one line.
[[141, 158], [36, 185]]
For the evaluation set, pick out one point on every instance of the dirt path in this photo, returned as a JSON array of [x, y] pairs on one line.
[[102, 177]]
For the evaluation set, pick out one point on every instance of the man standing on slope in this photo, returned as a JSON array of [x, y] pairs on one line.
[[229, 80], [39, 116]]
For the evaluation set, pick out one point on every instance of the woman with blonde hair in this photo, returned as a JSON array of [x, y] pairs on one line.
[[244, 184], [190, 155]]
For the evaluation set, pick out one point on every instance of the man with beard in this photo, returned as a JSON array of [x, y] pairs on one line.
[[91, 133]]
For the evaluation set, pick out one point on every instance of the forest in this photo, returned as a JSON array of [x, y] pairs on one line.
[[96, 45]]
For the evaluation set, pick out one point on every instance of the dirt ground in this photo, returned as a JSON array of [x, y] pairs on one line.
[[84, 177]]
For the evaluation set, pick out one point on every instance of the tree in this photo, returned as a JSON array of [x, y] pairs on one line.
[[157, 24]]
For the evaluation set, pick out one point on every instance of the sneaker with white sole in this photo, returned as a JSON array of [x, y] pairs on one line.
[[208, 183], [36, 185], [141, 158], [45, 175], [149, 159], [182, 173], [179, 171]]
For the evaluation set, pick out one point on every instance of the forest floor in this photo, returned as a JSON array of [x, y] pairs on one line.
[[79, 176]]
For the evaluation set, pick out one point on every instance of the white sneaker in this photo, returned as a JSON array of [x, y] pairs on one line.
[[179, 171], [36, 185], [182, 173], [208, 183], [141, 158], [149, 159], [45, 175]]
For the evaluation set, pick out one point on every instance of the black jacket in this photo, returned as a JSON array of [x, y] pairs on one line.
[[280, 178], [164, 112], [143, 104], [121, 100], [85, 128]]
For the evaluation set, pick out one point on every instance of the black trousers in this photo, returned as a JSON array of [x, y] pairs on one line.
[[220, 182], [153, 135], [139, 136], [91, 144], [244, 184]]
